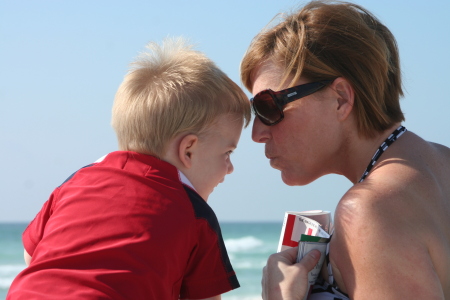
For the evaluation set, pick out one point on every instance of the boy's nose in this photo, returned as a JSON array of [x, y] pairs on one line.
[[230, 168], [260, 132]]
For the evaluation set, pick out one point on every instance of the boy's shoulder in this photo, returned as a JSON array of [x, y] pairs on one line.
[[139, 163], [120, 164]]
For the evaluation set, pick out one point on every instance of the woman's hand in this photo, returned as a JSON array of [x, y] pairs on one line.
[[283, 279]]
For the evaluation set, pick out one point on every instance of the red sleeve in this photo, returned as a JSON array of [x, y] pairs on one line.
[[209, 272], [35, 230]]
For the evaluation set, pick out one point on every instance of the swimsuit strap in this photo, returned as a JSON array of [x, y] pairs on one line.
[[392, 138]]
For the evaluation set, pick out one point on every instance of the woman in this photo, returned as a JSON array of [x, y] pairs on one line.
[[326, 83]]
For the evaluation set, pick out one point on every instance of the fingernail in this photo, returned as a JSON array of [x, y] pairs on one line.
[[315, 254]]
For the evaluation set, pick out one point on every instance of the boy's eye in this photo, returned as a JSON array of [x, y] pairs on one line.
[[229, 152]]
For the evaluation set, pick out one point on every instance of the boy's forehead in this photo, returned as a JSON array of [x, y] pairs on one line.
[[228, 127], [225, 120]]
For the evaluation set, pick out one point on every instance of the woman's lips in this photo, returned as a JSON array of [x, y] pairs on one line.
[[269, 156]]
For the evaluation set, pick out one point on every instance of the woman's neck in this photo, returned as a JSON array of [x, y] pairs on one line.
[[360, 152]]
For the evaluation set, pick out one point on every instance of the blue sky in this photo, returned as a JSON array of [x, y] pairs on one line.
[[62, 61]]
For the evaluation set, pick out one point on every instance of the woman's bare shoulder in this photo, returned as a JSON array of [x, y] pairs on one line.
[[376, 238]]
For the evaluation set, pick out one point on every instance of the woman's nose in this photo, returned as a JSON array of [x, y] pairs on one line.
[[260, 132]]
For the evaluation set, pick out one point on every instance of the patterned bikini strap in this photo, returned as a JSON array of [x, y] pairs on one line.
[[392, 138]]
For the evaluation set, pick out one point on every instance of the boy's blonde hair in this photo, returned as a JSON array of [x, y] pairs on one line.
[[172, 89]]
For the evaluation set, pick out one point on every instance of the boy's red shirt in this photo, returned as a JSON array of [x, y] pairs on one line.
[[124, 228]]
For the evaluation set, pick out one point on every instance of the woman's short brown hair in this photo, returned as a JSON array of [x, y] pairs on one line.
[[330, 39], [172, 89]]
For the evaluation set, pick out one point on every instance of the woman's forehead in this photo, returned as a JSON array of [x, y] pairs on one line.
[[268, 75]]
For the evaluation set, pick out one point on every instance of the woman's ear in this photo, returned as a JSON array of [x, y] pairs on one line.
[[345, 97], [186, 148]]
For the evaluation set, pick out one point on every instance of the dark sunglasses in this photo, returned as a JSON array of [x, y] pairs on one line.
[[268, 105]]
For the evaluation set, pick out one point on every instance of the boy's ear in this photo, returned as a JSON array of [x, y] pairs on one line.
[[186, 147], [345, 97]]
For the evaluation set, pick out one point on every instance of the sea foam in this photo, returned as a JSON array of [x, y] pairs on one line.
[[8, 273], [245, 243]]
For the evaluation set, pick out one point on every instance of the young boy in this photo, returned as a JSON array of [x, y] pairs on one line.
[[135, 224]]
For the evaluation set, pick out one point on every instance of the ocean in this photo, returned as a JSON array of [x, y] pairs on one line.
[[248, 245]]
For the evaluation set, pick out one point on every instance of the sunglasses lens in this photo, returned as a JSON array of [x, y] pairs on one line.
[[265, 108]]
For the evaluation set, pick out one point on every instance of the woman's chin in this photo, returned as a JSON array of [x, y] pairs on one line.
[[295, 179]]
